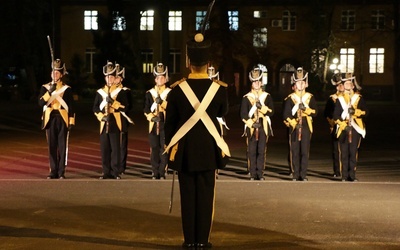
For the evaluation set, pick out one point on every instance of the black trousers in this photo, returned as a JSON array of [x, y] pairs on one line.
[[299, 152], [110, 153], [256, 153], [56, 133], [197, 204], [124, 151], [336, 155], [349, 154], [157, 158]]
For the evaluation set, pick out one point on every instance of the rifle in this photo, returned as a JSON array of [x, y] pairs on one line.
[[171, 200], [350, 133], [257, 119], [205, 20], [158, 113], [300, 117], [52, 59], [106, 108]]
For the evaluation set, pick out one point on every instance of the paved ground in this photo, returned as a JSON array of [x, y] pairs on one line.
[[83, 212]]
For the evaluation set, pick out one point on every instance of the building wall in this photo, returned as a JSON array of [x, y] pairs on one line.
[[283, 47]]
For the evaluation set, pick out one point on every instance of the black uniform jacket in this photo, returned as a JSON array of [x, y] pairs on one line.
[[246, 105], [120, 104], [67, 96], [288, 105], [197, 150]]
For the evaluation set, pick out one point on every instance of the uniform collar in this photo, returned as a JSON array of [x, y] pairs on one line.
[[299, 93], [198, 76], [256, 92]]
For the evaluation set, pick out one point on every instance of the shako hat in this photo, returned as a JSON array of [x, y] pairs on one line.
[[59, 66], [198, 50], [161, 70], [349, 76], [212, 74], [336, 79], [120, 71], [255, 74], [110, 69], [300, 75]]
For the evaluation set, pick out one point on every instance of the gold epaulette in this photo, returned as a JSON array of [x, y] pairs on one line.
[[287, 97], [177, 83], [223, 84]]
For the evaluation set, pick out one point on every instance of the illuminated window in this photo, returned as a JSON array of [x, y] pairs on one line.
[[233, 18], [348, 20], [200, 15], [119, 21], [147, 20], [347, 59], [289, 19], [259, 14], [376, 60], [378, 20], [147, 60], [90, 20], [260, 36], [175, 20]]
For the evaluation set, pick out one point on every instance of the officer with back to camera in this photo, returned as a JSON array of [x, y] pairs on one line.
[[195, 145]]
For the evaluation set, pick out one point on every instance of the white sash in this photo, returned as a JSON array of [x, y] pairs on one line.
[[200, 113], [154, 94], [253, 109], [55, 95], [296, 99], [261, 98], [345, 114], [103, 94]]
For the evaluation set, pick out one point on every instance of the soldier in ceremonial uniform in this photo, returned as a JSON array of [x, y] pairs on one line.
[[298, 110], [213, 75], [256, 109], [350, 109], [195, 145], [56, 99], [328, 114], [154, 109], [109, 102], [126, 120]]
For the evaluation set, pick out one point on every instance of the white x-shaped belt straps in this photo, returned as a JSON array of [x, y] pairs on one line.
[[199, 114], [56, 95]]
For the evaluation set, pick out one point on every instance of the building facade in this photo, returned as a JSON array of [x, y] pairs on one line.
[[279, 35]]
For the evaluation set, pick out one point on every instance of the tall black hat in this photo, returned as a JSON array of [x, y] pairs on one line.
[[59, 66], [198, 50]]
